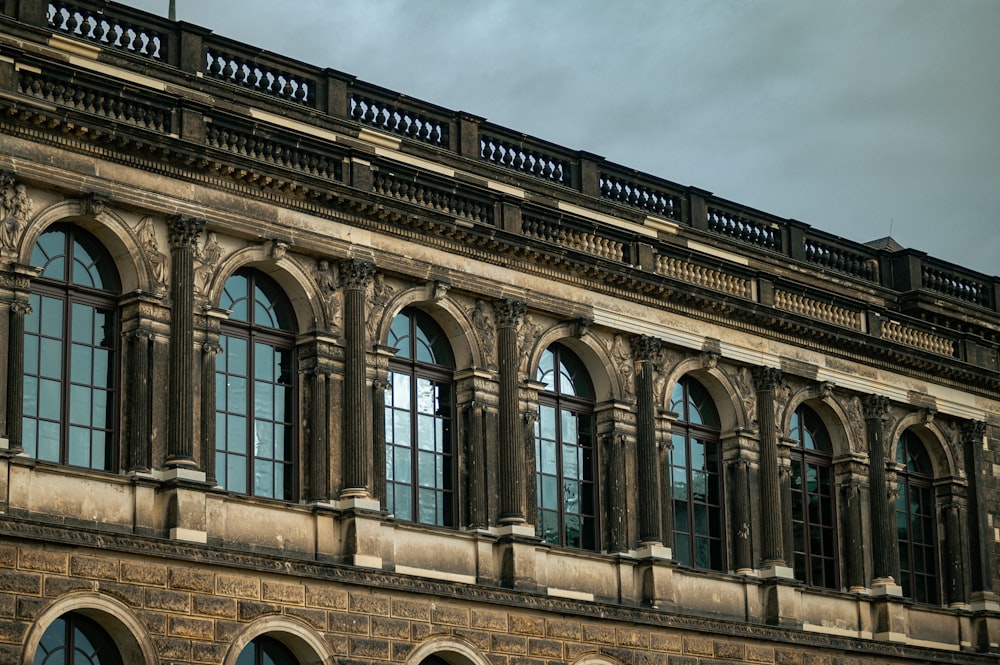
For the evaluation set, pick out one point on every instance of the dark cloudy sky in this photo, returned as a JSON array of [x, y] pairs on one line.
[[848, 115]]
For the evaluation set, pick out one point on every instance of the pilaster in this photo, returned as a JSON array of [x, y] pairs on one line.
[[511, 449], [356, 275], [645, 350]]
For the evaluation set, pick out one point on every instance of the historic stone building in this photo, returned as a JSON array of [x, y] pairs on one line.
[[302, 370]]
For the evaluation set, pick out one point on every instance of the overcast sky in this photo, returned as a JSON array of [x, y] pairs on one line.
[[851, 116]]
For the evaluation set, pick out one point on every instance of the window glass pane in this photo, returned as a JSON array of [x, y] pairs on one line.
[[48, 441], [50, 400]]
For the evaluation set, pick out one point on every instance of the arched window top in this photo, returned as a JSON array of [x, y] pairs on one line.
[[692, 402], [912, 454], [67, 253], [270, 307], [808, 431], [74, 639], [563, 372], [419, 338], [266, 650]]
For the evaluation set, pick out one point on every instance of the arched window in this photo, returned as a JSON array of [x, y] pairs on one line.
[[74, 639], [419, 405], [255, 440], [266, 650], [813, 511], [696, 477], [916, 529], [71, 352], [565, 467]]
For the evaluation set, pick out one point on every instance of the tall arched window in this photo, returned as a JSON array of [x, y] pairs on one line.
[[916, 529], [74, 639], [266, 650], [565, 465], [71, 352], [696, 476], [813, 510], [419, 405], [255, 440]]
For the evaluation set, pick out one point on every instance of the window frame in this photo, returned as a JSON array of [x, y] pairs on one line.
[[923, 481], [98, 299], [562, 403], [442, 376], [800, 458], [685, 431], [276, 339]]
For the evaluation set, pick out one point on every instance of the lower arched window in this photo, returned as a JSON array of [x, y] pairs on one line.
[[255, 449], [74, 639], [266, 650], [916, 529], [813, 513], [565, 467], [696, 477]]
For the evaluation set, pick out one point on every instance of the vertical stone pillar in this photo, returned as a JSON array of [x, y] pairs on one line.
[[614, 445], [15, 376], [209, 353], [137, 407], [645, 350], [954, 554], [511, 445], [379, 386], [183, 233], [772, 537], [885, 546], [785, 492], [356, 275], [476, 465], [318, 454], [854, 565], [739, 474], [666, 484], [978, 527]]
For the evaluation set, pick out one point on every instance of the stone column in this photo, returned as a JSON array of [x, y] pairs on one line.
[[614, 445], [854, 565], [739, 474], [772, 537], [209, 352], [885, 546], [15, 376], [318, 453], [512, 469], [954, 555], [183, 232], [356, 275], [379, 386], [476, 466], [137, 437], [645, 350], [978, 527]]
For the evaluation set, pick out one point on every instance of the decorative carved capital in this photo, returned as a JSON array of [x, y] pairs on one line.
[[378, 384], [21, 308], [581, 326], [439, 290], [508, 312], [356, 274], [277, 249], [183, 231], [766, 378], [646, 348], [94, 203], [211, 349], [530, 418], [875, 407], [973, 430]]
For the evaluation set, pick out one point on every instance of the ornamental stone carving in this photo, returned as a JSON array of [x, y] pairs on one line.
[[379, 295], [666, 360], [208, 260], [855, 422], [328, 282], [157, 260], [621, 355], [746, 390], [482, 321], [15, 210], [183, 231], [527, 334]]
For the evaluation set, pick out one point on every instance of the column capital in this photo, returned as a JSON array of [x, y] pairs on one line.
[[973, 430], [183, 230], [508, 311], [645, 348], [875, 406], [766, 378], [356, 274]]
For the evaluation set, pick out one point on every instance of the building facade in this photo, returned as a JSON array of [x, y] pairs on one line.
[[302, 370]]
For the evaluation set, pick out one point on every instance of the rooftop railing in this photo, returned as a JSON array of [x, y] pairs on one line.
[[197, 51]]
